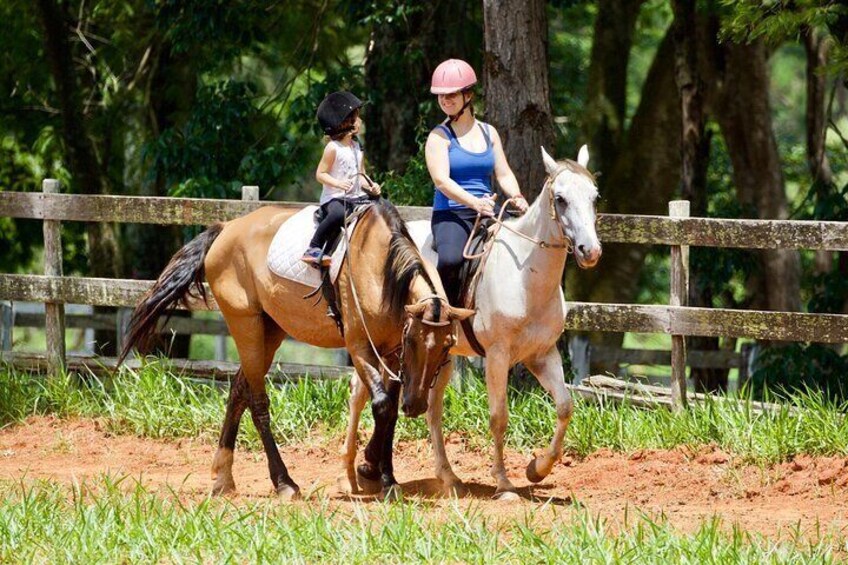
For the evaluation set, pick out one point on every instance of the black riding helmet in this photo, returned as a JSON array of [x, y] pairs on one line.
[[335, 109]]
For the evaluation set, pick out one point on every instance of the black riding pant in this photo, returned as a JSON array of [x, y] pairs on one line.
[[331, 218], [450, 232]]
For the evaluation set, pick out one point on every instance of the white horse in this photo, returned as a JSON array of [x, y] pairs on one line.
[[520, 311]]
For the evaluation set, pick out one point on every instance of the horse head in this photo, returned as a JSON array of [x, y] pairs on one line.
[[429, 333], [573, 192]]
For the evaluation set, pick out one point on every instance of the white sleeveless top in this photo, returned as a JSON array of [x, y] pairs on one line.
[[345, 167]]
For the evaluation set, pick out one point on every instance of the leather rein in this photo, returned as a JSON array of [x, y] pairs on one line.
[[565, 242]]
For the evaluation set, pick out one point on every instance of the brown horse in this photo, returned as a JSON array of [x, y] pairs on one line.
[[399, 310]]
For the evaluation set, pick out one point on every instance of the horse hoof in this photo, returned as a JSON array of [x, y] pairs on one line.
[[368, 472], [368, 479], [506, 496], [393, 494], [534, 474], [222, 488], [457, 490], [346, 486], [288, 492], [367, 486]]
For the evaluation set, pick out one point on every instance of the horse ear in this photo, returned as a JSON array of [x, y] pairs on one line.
[[416, 310], [460, 313], [583, 156], [550, 162]]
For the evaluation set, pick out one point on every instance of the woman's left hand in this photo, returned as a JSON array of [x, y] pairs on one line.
[[520, 203]]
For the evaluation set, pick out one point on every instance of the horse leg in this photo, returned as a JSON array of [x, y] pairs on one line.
[[390, 488], [356, 403], [548, 370], [368, 472], [497, 370], [251, 340], [222, 463], [450, 482]]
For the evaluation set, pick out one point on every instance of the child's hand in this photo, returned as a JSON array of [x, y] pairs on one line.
[[344, 184]]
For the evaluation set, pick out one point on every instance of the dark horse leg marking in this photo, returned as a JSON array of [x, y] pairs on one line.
[[222, 464], [259, 405], [387, 471], [378, 465], [237, 402], [368, 472], [257, 338]]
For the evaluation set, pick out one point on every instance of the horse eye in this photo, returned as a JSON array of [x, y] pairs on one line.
[[560, 199]]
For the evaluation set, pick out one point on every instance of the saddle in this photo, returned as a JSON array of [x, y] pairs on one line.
[[469, 274], [327, 286]]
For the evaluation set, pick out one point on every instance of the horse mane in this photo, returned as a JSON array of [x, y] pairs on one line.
[[403, 263]]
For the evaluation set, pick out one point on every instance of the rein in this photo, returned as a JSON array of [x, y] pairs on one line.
[[565, 243]]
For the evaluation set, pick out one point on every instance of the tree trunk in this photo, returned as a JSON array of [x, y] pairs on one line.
[[88, 176], [401, 58], [816, 47], [740, 98], [606, 103], [517, 92], [695, 151], [643, 179]]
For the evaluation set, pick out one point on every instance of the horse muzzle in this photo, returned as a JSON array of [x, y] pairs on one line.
[[414, 408], [587, 255]]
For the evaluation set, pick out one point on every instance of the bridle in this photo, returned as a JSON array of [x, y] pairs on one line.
[[564, 242], [407, 327]]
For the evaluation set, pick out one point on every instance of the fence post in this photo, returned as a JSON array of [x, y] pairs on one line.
[[122, 325], [7, 324], [54, 312], [678, 296], [248, 193], [749, 353], [581, 356]]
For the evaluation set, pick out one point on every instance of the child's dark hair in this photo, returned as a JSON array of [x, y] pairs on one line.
[[345, 127]]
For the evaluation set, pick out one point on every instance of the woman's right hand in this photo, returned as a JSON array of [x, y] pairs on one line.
[[485, 206], [344, 184]]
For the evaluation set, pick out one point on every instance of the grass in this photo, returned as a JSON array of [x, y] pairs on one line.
[[153, 402], [113, 520]]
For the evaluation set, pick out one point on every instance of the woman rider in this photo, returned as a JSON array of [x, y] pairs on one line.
[[461, 154]]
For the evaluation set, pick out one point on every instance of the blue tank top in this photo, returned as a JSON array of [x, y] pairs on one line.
[[472, 171]]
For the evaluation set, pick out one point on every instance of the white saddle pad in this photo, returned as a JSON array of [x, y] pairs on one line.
[[289, 245], [422, 235]]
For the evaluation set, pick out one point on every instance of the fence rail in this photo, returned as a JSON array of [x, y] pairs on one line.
[[613, 228], [678, 231], [581, 316]]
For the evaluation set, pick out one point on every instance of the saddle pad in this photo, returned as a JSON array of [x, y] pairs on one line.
[[289, 245], [422, 235]]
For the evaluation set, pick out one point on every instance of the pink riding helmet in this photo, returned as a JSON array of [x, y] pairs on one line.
[[452, 76]]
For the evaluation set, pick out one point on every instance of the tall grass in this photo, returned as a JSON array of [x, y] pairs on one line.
[[107, 521], [153, 402]]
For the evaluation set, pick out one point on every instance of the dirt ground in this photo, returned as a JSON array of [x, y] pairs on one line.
[[808, 494]]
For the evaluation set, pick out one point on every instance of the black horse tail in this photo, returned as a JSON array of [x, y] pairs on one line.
[[181, 279]]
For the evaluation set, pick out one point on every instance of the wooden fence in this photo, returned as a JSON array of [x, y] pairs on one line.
[[676, 230]]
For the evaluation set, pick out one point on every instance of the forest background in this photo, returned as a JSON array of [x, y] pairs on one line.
[[199, 97]]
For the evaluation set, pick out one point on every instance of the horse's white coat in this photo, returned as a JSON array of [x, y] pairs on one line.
[[520, 309]]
